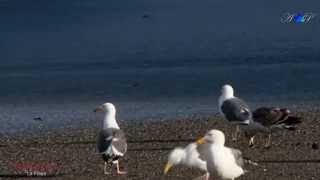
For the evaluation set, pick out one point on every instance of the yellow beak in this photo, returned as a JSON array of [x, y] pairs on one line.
[[167, 168], [201, 141]]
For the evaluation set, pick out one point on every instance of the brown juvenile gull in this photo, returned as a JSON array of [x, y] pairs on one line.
[[234, 109], [271, 118], [188, 156], [111, 143]]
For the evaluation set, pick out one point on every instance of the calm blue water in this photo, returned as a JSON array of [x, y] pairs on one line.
[[153, 59]]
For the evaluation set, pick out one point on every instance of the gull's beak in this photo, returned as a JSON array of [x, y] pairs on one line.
[[167, 168], [98, 109], [201, 141]]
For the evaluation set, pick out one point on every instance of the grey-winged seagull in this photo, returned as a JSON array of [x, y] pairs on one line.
[[270, 118], [221, 160], [234, 109], [111, 143], [188, 156]]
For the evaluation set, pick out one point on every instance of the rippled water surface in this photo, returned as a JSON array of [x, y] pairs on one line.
[[152, 59]]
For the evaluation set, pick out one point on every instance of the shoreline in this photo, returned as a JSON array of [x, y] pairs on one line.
[[20, 118], [293, 155]]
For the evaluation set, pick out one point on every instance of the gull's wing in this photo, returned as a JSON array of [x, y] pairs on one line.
[[236, 110], [112, 142], [238, 156], [270, 116]]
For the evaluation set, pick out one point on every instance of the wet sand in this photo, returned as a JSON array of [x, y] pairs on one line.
[[71, 153]]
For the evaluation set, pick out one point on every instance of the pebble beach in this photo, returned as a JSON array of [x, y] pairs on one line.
[[72, 154]]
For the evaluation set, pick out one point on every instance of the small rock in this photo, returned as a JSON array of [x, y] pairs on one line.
[[315, 146]]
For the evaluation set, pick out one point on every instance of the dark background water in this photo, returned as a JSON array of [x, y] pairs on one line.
[[153, 59]]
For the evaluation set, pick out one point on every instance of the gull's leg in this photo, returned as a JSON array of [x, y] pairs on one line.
[[268, 142], [251, 141], [236, 134], [207, 176], [238, 131], [105, 168], [118, 169]]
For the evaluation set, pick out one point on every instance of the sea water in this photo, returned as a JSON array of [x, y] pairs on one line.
[[153, 60]]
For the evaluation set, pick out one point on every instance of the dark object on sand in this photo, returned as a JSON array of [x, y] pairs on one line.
[[38, 119], [315, 146]]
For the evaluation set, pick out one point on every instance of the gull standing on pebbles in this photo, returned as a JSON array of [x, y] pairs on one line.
[[221, 160], [270, 118], [188, 156], [234, 109], [112, 143]]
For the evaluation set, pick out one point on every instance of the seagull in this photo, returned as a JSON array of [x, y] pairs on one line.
[[234, 109], [111, 143], [221, 160], [188, 156], [271, 118]]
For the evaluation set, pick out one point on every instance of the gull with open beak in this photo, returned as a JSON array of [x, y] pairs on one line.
[[111, 143]]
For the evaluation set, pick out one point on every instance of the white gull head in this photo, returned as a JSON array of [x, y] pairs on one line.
[[176, 156], [226, 93], [220, 160], [215, 136], [188, 156], [110, 115]]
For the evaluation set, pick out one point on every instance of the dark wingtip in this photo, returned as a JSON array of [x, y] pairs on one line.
[[293, 120]]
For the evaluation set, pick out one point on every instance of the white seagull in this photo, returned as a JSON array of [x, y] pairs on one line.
[[188, 156], [221, 160], [111, 142], [234, 109]]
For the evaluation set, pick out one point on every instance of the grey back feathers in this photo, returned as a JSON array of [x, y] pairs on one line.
[[202, 149], [238, 156], [112, 142], [236, 110]]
